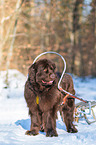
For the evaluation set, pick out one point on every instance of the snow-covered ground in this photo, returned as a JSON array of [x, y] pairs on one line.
[[14, 119]]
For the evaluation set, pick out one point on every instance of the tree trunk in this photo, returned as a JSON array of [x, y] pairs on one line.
[[9, 56], [1, 30]]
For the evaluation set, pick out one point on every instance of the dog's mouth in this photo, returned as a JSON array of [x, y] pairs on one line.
[[47, 83]]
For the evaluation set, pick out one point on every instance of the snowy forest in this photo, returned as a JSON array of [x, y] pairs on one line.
[[30, 27]]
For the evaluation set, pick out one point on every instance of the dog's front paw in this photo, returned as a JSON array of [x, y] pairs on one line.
[[72, 130], [51, 133], [32, 132]]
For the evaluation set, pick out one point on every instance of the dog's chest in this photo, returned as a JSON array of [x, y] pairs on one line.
[[48, 100]]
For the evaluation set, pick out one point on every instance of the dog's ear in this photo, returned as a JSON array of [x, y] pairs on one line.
[[32, 73]]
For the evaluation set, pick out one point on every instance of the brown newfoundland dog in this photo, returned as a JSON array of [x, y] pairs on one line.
[[43, 98]]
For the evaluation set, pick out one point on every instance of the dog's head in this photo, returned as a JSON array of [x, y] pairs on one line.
[[42, 72]]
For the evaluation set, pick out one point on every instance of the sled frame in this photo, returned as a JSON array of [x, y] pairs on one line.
[[82, 114]]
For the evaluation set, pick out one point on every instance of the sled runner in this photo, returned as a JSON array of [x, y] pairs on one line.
[[80, 111], [85, 110]]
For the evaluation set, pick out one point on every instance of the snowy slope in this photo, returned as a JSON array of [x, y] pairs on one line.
[[14, 119]]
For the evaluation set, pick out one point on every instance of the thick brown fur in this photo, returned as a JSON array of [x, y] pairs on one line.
[[42, 82]]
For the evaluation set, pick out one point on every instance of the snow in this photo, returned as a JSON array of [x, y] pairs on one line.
[[14, 118]]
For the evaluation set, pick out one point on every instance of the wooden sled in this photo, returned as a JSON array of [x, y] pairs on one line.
[[80, 111]]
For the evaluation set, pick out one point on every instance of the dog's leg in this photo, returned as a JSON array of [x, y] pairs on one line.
[[50, 123], [35, 124], [68, 111]]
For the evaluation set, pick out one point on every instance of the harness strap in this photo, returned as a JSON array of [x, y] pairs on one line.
[[71, 95], [64, 99]]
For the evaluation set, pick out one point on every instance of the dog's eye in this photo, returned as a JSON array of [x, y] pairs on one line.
[[46, 70], [51, 68]]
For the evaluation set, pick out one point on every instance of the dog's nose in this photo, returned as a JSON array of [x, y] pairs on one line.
[[52, 76]]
